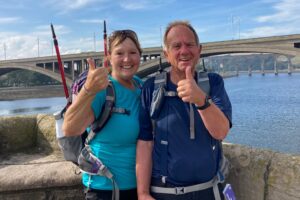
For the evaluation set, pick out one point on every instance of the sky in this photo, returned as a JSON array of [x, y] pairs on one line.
[[25, 24]]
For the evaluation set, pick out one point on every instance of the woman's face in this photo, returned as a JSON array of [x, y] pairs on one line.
[[125, 60]]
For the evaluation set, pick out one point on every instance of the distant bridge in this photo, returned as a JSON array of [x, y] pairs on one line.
[[74, 64]]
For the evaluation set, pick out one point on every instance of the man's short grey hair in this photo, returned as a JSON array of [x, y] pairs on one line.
[[178, 23]]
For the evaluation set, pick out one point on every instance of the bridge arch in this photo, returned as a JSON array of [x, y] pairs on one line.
[[54, 75], [247, 49]]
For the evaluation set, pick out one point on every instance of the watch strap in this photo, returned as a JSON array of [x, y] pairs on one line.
[[206, 103]]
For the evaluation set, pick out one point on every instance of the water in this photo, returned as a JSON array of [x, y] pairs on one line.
[[32, 106], [266, 110]]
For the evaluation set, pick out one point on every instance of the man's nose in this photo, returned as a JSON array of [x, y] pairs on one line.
[[184, 48]]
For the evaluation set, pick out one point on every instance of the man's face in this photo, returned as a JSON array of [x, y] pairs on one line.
[[182, 49]]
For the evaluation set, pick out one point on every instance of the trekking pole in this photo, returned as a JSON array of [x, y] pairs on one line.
[[105, 44], [61, 68]]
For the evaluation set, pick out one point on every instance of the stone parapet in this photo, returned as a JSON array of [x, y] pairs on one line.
[[32, 166], [263, 174]]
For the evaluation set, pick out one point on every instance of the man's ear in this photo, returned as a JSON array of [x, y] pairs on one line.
[[165, 53]]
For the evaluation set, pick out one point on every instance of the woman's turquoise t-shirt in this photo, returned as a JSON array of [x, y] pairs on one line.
[[115, 144]]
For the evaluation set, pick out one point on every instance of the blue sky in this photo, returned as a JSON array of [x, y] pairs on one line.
[[25, 24]]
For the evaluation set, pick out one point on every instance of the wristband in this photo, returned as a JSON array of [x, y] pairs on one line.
[[86, 90], [206, 104]]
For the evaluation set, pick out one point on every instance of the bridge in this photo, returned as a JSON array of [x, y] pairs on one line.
[[74, 64]]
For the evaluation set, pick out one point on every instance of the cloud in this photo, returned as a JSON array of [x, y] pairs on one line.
[[265, 31], [286, 11], [9, 20], [283, 21], [65, 6], [143, 4], [38, 42], [28, 46], [91, 21]]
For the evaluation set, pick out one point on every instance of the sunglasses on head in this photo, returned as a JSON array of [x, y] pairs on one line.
[[123, 33]]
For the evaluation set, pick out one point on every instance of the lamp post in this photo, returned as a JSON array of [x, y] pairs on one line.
[[4, 49], [94, 41]]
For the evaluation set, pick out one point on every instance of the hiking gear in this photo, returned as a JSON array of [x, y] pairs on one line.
[[159, 95], [95, 194], [105, 44], [115, 145], [90, 164], [61, 68], [213, 183], [206, 194], [71, 146], [76, 148]]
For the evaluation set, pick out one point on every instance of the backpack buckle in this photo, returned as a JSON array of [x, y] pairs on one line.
[[179, 190]]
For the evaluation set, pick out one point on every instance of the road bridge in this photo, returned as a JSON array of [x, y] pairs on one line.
[[74, 64]]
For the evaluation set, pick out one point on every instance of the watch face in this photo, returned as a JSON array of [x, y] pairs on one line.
[[210, 101]]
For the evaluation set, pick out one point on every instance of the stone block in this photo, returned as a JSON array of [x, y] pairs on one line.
[[284, 177], [248, 171], [38, 175], [17, 133], [46, 136]]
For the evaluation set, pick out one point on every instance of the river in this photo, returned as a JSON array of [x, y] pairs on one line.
[[266, 110]]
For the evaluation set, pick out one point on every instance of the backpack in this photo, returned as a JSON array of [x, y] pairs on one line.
[[158, 95], [76, 149], [72, 146]]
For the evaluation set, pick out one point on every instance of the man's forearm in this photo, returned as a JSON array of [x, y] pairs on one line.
[[215, 121]]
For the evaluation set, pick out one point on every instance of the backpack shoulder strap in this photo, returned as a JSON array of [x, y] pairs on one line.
[[105, 114], [137, 82], [203, 81], [160, 80]]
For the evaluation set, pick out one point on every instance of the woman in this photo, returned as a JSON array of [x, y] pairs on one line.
[[115, 144]]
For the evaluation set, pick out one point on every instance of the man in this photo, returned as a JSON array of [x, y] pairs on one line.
[[178, 156]]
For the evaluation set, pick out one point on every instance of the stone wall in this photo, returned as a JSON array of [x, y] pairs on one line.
[[258, 174], [32, 167]]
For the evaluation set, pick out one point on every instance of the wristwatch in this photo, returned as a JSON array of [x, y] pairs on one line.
[[206, 104]]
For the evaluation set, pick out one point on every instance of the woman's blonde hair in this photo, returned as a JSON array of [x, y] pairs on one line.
[[117, 37]]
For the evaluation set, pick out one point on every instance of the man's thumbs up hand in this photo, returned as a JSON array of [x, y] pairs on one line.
[[188, 89], [188, 73]]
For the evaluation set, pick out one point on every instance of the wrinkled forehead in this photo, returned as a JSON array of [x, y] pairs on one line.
[[180, 34]]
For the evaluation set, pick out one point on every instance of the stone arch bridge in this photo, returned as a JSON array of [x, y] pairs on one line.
[[74, 64]]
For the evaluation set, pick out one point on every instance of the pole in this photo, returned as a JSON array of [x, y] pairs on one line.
[[51, 44], [105, 44], [38, 43], [4, 48], [232, 30], [239, 27], [61, 68], [94, 41]]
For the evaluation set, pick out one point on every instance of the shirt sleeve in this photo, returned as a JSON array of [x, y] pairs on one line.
[[219, 95], [145, 132]]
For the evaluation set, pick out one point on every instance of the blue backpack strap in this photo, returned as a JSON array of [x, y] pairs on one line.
[[158, 95], [203, 82]]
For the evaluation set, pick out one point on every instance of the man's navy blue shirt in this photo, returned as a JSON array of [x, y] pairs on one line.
[[188, 161]]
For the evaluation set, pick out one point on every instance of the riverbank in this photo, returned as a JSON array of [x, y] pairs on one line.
[[17, 93]]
